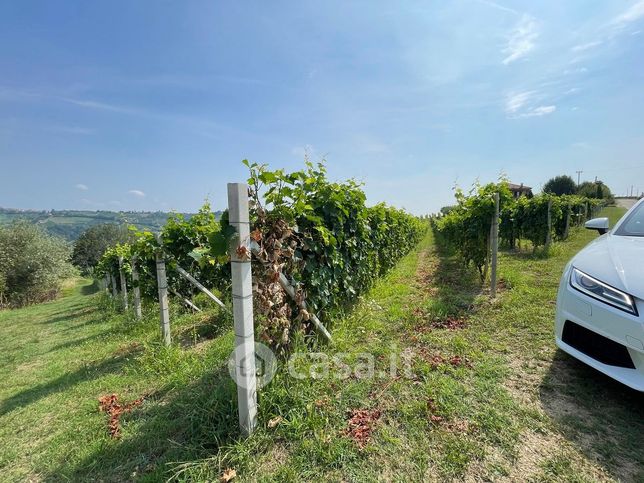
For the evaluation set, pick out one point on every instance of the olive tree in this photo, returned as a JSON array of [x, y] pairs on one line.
[[33, 264]]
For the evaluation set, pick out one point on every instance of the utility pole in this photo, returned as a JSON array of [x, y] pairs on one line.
[[578, 177]]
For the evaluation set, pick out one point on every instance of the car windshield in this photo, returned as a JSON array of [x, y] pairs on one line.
[[634, 223]]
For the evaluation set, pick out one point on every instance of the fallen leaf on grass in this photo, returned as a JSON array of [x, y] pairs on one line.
[[360, 425], [432, 409], [228, 475], [436, 360], [110, 405], [275, 421]]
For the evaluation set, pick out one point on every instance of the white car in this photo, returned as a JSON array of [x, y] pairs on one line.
[[600, 305]]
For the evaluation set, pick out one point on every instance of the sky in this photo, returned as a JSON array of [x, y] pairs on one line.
[[152, 105]]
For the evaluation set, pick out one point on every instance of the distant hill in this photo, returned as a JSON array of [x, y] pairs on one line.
[[69, 224]]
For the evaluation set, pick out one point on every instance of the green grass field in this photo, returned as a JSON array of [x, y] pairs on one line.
[[488, 398]]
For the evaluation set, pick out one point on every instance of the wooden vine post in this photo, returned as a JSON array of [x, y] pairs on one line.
[[123, 283], [162, 284], [136, 289], [549, 234], [242, 291], [495, 246], [113, 280]]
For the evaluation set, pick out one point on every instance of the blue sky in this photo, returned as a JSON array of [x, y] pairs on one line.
[[151, 105]]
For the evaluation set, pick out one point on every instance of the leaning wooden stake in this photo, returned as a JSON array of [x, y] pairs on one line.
[[196, 283], [136, 290], [123, 283], [495, 246], [290, 290], [242, 285], [185, 300], [162, 283]]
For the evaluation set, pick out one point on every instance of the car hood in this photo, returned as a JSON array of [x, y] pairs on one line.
[[615, 260]]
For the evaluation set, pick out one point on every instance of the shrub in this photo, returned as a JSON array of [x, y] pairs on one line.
[[560, 185], [33, 264]]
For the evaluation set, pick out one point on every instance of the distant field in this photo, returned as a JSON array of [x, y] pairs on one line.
[[69, 224]]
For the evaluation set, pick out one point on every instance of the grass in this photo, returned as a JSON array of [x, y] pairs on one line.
[[488, 396]]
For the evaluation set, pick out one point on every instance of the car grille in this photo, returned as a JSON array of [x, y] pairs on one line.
[[596, 346]]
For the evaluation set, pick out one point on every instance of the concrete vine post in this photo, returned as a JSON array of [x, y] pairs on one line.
[[123, 284], [567, 228], [136, 289], [242, 292], [495, 246], [164, 311]]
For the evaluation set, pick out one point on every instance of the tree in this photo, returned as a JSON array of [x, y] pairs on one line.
[[33, 264], [595, 189], [93, 242], [560, 185]]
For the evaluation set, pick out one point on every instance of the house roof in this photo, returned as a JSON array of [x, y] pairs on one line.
[[519, 187]]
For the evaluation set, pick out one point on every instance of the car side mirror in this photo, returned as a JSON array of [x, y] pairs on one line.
[[599, 224]]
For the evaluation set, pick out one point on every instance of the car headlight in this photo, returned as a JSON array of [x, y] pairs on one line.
[[599, 290]]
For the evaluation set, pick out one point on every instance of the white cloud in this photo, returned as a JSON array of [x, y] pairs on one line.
[[586, 46], [101, 106], [521, 40], [635, 12], [522, 104], [539, 111], [516, 101], [137, 193], [581, 145], [498, 6], [82, 187]]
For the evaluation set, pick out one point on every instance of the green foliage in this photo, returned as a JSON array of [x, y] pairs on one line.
[[33, 264], [467, 226], [324, 237], [560, 185], [195, 244], [94, 241], [531, 217], [595, 190]]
